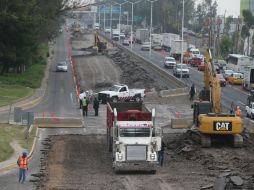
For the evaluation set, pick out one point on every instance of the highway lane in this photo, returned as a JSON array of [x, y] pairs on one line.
[[60, 100], [229, 93]]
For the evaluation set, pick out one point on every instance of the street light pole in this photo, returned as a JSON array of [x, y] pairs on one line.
[[182, 42], [111, 21], [104, 18], [151, 25], [120, 21], [99, 17], [132, 4]]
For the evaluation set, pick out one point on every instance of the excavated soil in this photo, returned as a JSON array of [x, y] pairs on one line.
[[82, 161]]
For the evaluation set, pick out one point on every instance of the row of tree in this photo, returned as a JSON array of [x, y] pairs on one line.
[[24, 25]]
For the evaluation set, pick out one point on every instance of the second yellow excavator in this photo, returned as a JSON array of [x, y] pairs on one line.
[[100, 46], [209, 121]]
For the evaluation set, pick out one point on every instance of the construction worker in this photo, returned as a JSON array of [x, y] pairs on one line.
[[23, 166], [161, 154], [96, 106], [238, 112], [81, 97], [192, 92], [85, 106]]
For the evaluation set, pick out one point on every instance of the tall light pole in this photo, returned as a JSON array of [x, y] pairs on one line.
[[111, 21], [182, 42], [104, 17], [132, 3], [99, 17], [151, 24], [120, 18]]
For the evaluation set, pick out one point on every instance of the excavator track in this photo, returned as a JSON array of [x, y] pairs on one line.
[[237, 140], [203, 139]]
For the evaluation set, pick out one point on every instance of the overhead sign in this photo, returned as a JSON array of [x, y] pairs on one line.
[[107, 9], [137, 18]]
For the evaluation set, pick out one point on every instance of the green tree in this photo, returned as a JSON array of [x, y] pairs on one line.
[[225, 46], [23, 26]]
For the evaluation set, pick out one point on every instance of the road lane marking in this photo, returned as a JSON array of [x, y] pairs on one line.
[[240, 102], [71, 97]]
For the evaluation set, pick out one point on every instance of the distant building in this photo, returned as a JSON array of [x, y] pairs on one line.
[[247, 5]]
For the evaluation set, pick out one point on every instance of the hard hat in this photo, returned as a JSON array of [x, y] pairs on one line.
[[238, 107], [24, 154]]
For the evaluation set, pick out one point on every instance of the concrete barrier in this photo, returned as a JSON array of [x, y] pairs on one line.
[[58, 122], [174, 92], [180, 123]]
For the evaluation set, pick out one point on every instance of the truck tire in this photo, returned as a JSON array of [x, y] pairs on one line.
[[114, 99], [138, 98]]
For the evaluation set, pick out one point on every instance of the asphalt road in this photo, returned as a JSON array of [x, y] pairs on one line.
[[60, 101], [229, 94]]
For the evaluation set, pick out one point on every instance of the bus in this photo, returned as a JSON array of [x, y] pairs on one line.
[[237, 62]]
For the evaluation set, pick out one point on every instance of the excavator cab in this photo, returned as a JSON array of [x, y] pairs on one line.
[[200, 107]]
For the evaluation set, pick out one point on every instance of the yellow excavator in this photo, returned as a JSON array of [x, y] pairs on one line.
[[210, 123], [101, 47]]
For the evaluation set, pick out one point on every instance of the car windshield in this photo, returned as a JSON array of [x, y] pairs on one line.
[[170, 59], [182, 66], [115, 88], [62, 64], [134, 132]]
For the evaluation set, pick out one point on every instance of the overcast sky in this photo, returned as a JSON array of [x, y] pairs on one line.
[[232, 7]]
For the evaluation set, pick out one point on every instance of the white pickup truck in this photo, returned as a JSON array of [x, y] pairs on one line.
[[121, 93], [250, 110]]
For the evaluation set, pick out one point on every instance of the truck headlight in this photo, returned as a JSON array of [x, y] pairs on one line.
[[120, 156], [152, 156]]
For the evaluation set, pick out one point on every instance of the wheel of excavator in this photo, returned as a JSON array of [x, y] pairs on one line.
[[237, 140], [206, 141]]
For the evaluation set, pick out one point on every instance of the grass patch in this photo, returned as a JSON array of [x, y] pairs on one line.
[[13, 93], [9, 133], [31, 78]]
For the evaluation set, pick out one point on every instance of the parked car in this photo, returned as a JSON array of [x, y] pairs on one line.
[[223, 82], [126, 42], [201, 67], [181, 69], [169, 62], [227, 73], [62, 66], [145, 46], [236, 78]]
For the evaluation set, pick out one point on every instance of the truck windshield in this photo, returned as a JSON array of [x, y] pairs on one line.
[[134, 132], [114, 88]]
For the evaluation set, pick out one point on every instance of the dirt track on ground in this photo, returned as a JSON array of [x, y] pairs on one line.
[[82, 162]]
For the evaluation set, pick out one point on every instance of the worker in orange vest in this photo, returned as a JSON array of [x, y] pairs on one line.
[[23, 166], [238, 112]]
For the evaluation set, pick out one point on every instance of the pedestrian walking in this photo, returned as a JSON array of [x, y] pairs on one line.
[[161, 154], [23, 166], [85, 103], [96, 106], [192, 92], [81, 97]]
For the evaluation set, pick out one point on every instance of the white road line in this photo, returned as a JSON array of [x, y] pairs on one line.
[[71, 97], [241, 103]]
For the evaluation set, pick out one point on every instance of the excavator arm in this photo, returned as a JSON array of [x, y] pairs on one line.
[[212, 83]]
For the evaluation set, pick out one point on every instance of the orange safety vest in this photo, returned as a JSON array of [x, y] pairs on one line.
[[23, 162], [238, 113]]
